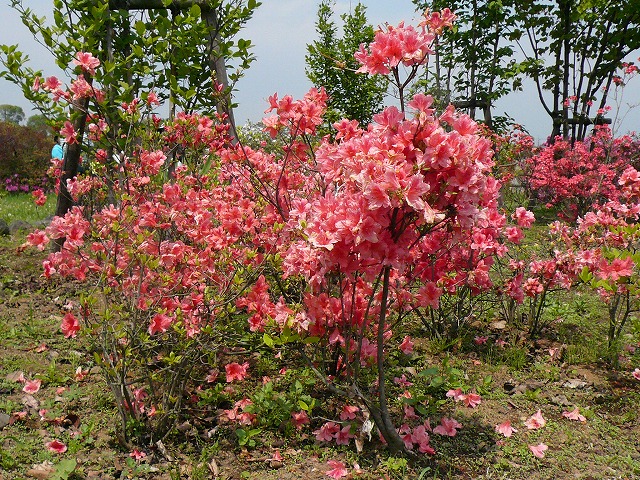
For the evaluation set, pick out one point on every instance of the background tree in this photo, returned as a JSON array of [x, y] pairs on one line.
[[24, 157], [574, 49], [143, 45], [11, 113], [331, 64], [473, 65], [40, 124]]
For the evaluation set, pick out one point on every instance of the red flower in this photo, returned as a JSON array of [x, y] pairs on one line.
[[87, 61], [70, 326], [159, 324], [56, 446], [235, 371]]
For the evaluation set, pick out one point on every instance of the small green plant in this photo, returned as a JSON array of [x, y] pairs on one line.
[[64, 469], [397, 466], [248, 437], [428, 392]]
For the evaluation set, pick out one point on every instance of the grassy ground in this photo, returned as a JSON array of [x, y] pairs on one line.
[[21, 207], [562, 370]]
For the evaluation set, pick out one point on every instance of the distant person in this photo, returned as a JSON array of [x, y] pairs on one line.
[[57, 151]]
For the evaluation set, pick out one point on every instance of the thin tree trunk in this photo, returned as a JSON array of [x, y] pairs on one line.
[[72, 160]]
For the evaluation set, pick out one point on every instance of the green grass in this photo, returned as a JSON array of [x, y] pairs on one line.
[[20, 206]]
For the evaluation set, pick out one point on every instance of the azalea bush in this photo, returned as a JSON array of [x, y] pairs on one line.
[[388, 220], [574, 176], [165, 249], [24, 159], [604, 245], [326, 249]]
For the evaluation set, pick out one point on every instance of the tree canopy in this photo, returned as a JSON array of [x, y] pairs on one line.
[[331, 64], [11, 113]]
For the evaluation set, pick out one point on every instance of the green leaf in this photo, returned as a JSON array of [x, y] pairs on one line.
[[63, 469], [140, 27], [268, 341], [429, 372], [195, 11]]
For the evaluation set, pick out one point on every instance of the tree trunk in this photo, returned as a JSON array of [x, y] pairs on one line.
[[72, 159], [218, 67]]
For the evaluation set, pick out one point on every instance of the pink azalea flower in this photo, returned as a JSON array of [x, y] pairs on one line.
[[574, 415], [69, 133], [636, 374], [299, 419], [39, 197], [538, 450], [19, 415], [480, 340], [326, 432], [472, 400], [235, 371], [524, 217], [456, 394], [87, 61], [349, 412], [505, 429], [56, 446], [277, 456], [535, 421], [159, 324], [31, 386], [80, 374], [137, 454], [343, 435], [406, 346], [447, 427], [338, 469], [402, 381], [70, 326]]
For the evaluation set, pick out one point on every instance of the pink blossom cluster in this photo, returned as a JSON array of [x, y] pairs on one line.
[[579, 175], [402, 44]]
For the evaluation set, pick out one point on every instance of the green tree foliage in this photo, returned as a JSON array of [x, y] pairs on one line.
[[574, 49], [572, 52], [473, 64], [40, 124], [11, 113], [330, 64]]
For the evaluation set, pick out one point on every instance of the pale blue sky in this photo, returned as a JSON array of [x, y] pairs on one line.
[[280, 31]]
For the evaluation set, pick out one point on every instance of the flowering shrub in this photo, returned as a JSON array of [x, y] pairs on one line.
[[24, 159], [576, 176], [605, 246], [326, 247]]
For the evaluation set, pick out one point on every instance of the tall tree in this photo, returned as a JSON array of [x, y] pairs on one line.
[[11, 113], [331, 64], [574, 49], [40, 123]]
